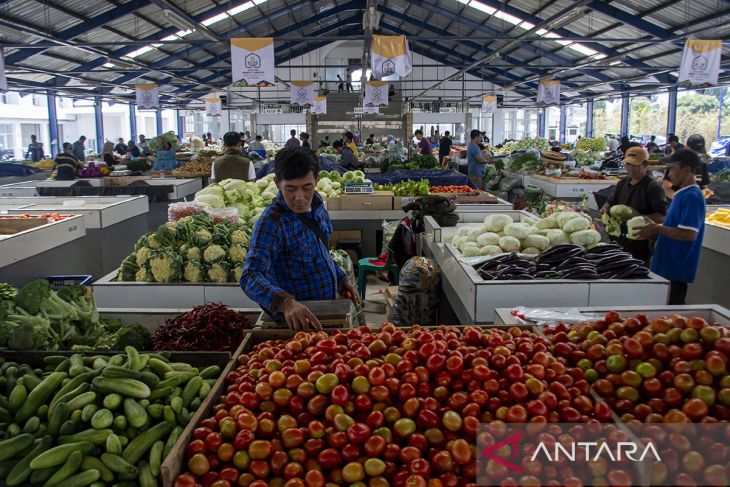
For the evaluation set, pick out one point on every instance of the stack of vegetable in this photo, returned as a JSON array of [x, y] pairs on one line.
[[95, 420], [566, 261], [591, 144], [416, 162], [248, 198], [194, 169], [501, 234], [523, 162], [139, 164], [405, 188], [331, 184], [452, 189], [192, 249], [523, 144], [158, 143], [393, 156], [211, 327], [720, 217], [587, 158], [615, 217]]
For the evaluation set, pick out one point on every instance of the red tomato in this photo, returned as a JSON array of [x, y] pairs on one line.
[[185, 480], [195, 446]]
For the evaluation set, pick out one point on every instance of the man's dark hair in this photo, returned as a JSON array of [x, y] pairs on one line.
[[231, 139], [672, 138], [293, 132], [295, 163], [372, 135], [67, 146], [349, 135], [419, 132], [326, 137], [337, 143], [475, 133], [447, 133], [83, 137], [697, 143], [652, 138], [258, 137], [685, 158], [304, 135], [32, 137]]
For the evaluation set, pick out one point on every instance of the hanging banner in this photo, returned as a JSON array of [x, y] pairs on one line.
[[302, 92], [213, 106], [148, 95], [252, 61], [390, 55], [489, 104], [700, 62], [320, 105], [376, 93], [3, 79], [548, 92]]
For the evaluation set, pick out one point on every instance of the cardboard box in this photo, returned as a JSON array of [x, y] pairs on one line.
[[332, 204], [122, 180], [377, 201], [344, 235]]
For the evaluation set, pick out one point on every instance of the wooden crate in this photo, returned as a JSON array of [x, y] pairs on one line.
[[11, 226]]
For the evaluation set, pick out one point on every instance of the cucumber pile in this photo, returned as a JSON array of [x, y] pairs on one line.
[[95, 420]]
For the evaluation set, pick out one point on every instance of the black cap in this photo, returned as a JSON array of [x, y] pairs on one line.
[[685, 158]]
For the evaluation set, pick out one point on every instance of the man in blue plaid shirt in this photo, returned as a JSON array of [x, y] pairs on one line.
[[288, 258]]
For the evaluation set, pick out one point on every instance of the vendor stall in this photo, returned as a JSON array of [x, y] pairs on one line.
[[713, 276], [567, 188]]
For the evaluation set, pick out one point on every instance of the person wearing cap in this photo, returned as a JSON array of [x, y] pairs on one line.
[[696, 143], [642, 194], [679, 237], [349, 141], [672, 144]]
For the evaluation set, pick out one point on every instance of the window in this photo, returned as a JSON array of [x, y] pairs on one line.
[[7, 141], [552, 122], [575, 122], [532, 128], [648, 116], [607, 117], [509, 117], [39, 101], [697, 113], [519, 124]]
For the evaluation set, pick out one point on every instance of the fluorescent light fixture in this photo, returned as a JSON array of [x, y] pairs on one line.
[[109, 65], [214, 19], [241, 8], [140, 51]]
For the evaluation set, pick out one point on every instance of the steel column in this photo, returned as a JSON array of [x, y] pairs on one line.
[[158, 119], [719, 113], [132, 122], [563, 123], [589, 117], [541, 122], [99, 119], [53, 124], [672, 110], [180, 124], [625, 114]]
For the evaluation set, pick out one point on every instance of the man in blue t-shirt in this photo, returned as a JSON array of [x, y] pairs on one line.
[[679, 241], [475, 160]]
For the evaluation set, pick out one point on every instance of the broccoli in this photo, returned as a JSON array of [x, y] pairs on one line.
[[143, 275], [143, 256], [22, 331], [166, 266], [193, 271], [202, 237], [77, 296], [218, 272], [115, 336], [128, 268], [7, 291], [236, 273], [237, 253], [239, 236], [166, 236], [213, 253], [37, 298]]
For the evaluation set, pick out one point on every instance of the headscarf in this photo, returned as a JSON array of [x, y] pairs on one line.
[[108, 148], [612, 145]]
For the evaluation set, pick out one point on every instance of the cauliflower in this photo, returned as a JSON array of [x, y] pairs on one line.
[[576, 225], [213, 253], [218, 272], [488, 238], [141, 242], [165, 266], [237, 253], [166, 236], [202, 237], [538, 242], [236, 273], [490, 250], [496, 223], [239, 236], [143, 275], [128, 268], [193, 271], [143, 256], [509, 244], [556, 236], [153, 242], [634, 225], [222, 233], [519, 230], [585, 238]]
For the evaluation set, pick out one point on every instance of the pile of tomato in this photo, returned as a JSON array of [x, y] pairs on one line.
[[452, 189]]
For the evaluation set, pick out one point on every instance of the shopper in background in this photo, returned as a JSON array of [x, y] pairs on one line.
[[132, 150], [232, 164], [66, 163], [255, 145], [642, 194], [679, 242], [475, 160], [121, 147], [347, 157], [424, 146], [288, 260], [370, 140], [696, 143], [304, 138], [144, 146], [340, 84], [390, 142], [165, 158], [324, 142], [209, 139], [349, 141], [107, 154], [80, 149], [35, 150], [614, 156], [348, 73], [445, 146], [672, 144], [293, 141]]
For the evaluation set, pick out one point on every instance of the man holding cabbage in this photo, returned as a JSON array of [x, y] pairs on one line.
[[637, 194]]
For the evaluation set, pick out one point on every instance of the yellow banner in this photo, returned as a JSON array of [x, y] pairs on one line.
[[702, 46], [389, 46], [252, 43]]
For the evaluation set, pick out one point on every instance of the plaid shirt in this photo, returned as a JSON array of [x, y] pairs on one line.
[[286, 259]]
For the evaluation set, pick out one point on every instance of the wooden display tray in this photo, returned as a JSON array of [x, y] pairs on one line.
[[123, 180], [11, 226], [377, 200], [333, 313]]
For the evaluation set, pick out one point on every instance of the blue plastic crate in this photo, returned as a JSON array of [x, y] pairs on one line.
[[57, 282]]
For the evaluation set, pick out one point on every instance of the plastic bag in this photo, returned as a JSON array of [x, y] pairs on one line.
[[388, 231], [418, 294], [219, 214], [176, 211], [546, 316], [342, 258]]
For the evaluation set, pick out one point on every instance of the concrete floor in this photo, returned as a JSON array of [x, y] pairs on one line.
[[374, 305]]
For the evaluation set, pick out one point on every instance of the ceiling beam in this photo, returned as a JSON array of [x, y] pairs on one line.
[[629, 19]]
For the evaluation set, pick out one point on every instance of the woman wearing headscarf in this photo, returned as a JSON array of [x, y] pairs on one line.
[[133, 150], [108, 154]]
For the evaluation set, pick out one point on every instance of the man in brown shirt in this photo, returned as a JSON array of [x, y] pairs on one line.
[[232, 165]]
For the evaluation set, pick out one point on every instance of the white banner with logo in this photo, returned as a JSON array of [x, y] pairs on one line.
[[148, 95], [489, 104], [548, 92], [252, 61], [320, 105], [213, 106], [302, 92], [700, 62], [390, 55], [376, 93], [3, 79]]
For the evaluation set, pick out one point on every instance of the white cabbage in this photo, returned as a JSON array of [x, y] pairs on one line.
[[576, 225], [488, 238], [509, 244], [497, 222], [539, 242]]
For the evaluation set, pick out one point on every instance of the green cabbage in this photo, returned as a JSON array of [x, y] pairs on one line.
[[576, 225], [519, 230], [634, 226], [497, 222], [509, 244], [488, 238], [538, 242], [585, 238], [621, 212], [490, 250]]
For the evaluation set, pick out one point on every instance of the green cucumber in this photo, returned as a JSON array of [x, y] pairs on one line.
[[87, 477], [31, 381], [119, 465], [13, 429], [204, 390], [120, 422], [126, 387], [79, 402], [63, 365], [21, 470], [116, 360], [38, 396], [76, 365], [72, 464], [210, 372], [139, 446], [136, 414], [155, 410], [191, 389], [97, 437], [176, 404], [17, 397], [59, 454], [150, 379], [113, 445], [156, 457], [88, 412], [146, 479], [15, 446], [171, 440], [72, 384], [161, 393], [133, 358], [81, 389], [112, 401], [99, 363], [169, 415], [102, 419], [160, 367], [93, 463], [32, 425], [41, 475], [60, 414], [115, 372]]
